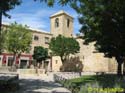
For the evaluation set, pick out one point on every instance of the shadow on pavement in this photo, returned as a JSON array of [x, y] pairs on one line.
[[36, 85]]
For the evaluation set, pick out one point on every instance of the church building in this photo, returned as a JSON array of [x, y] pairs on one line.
[[62, 24]]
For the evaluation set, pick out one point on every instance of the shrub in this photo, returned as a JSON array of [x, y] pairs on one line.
[[72, 65]]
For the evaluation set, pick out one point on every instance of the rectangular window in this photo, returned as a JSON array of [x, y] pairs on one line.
[[10, 61], [36, 38], [46, 40], [23, 63]]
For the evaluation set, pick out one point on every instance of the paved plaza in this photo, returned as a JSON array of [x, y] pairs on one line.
[[39, 84]]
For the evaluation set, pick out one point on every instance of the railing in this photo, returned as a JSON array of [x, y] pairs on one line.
[[70, 75], [31, 71], [65, 75]]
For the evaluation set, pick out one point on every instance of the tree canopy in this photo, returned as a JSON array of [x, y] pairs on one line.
[[63, 46], [40, 53], [18, 38], [5, 6], [103, 21]]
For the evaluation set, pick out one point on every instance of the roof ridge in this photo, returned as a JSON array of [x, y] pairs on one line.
[[61, 12]]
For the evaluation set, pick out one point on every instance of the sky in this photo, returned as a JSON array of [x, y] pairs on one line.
[[37, 15]]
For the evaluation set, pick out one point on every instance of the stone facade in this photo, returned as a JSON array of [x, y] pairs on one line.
[[40, 39], [62, 24], [94, 61], [56, 63]]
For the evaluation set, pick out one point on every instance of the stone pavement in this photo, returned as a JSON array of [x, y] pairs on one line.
[[40, 84]]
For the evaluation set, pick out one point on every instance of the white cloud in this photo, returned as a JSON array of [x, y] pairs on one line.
[[36, 20], [44, 13]]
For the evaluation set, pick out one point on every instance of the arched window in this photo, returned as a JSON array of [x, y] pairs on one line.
[[68, 22], [57, 22]]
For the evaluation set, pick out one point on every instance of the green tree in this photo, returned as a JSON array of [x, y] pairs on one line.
[[40, 54], [61, 2], [5, 6], [102, 21], [63, 46], [18, 39]]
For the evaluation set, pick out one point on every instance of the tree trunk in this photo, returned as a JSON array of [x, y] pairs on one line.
[[120, 61], [13, 66], [0, 20], [119, 69], [0, 30], [62, 59], [14, 59], [124, 69], [51, 64]]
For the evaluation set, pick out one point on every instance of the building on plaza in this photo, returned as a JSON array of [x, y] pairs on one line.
[[62, 24]]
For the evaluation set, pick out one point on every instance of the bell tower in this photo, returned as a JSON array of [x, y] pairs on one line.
[[61, 24]]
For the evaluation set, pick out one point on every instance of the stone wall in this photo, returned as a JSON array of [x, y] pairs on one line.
[[56, 63], [31, 71], [94, 61]]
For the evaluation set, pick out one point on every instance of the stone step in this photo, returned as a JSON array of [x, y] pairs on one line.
[[60, 90], [55, 90]]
